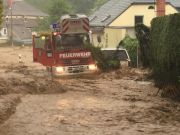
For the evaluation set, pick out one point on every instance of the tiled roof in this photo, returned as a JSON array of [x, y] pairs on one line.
[[22, 8], [113, 8]]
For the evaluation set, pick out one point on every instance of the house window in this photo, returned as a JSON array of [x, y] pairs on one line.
[[139, 19], [5, 31]]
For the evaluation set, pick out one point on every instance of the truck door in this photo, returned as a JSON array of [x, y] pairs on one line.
[[43, 50]]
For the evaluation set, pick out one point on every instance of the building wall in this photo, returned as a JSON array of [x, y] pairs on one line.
[[22, 27], [127, 18], [110, 38]]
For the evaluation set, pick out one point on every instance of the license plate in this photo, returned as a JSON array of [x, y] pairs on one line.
[[75, 62]]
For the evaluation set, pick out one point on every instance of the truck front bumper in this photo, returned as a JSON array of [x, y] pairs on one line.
[[73, 70]]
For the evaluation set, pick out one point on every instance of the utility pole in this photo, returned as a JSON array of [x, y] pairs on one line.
[[11, 37]]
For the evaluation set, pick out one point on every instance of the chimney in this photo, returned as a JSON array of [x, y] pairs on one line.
[[160, 5]]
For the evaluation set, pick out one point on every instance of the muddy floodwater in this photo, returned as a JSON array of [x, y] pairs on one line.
[[115, 103]]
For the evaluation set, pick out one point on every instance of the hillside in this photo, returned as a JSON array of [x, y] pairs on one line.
[[77, 6], [44, 7]]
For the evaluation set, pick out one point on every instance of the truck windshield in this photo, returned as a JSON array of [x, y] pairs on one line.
[[74, 41]]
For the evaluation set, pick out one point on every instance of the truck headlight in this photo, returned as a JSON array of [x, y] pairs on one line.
[[92, 67], [59, 69]]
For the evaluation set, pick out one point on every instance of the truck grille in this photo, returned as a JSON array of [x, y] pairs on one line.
[[70, 62], [76, 69]]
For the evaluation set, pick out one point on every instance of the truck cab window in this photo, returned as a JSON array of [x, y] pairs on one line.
[[72, 41], [39, 42], [58, 42]]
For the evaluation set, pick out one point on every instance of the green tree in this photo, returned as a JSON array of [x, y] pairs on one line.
[[131, 45], [38, 4], [143, 36], [44, 25], [58, 8], [82, 6], [77, 6]]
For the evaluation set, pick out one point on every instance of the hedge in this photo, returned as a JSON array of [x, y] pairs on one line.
[[165, 48]]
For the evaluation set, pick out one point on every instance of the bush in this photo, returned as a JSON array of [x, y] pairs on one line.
[[165, 49], [103, 62], [130, 45]]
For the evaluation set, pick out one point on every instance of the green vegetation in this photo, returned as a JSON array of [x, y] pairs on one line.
[[131, 46], [103, 63], [77, 6], [38, 3], [44, 25], [143, 36], [165, 49], [59, 8]]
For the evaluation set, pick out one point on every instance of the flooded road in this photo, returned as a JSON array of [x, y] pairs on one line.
[[95, 107], [107, 104]]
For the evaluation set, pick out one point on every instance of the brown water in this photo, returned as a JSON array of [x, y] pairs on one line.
[[102, 105]]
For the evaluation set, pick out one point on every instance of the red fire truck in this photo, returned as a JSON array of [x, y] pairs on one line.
[[63, 51]]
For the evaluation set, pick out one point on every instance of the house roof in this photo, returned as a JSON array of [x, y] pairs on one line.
[[113, 8], [22, 8]]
